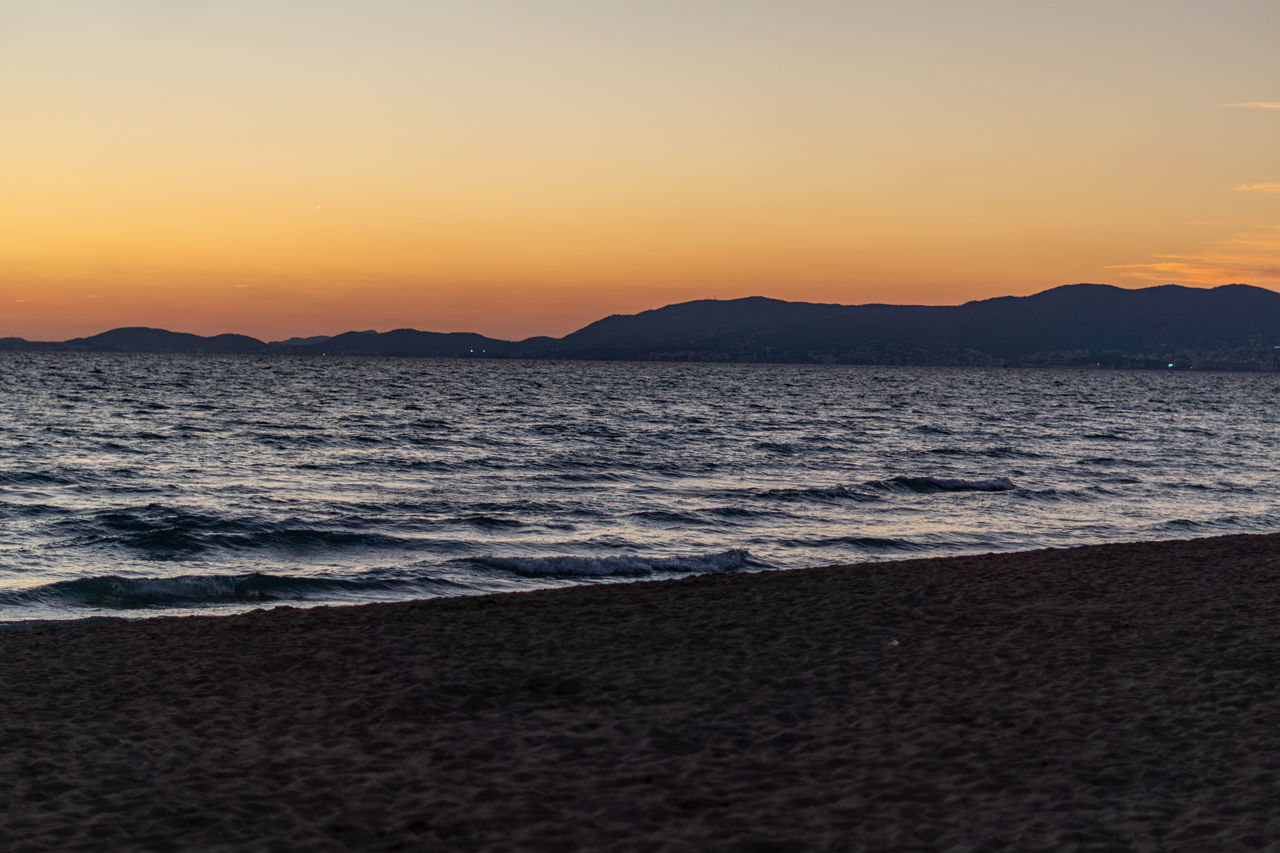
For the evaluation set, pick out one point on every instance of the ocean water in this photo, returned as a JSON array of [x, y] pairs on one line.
[[144, 485]]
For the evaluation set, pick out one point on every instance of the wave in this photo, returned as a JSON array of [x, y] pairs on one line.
[[162, 533], [40, 478], [1229, 523], [713, 517], [926, 485], [565, 476], [781, 448], [736, 512], [874, 490], [487, 522], [1092, 493], [868, 543], [25, 510], [1008, 451], [1000, 451], [621, 566], [667, 517], [122, 593], [65, 476], [821, 493]]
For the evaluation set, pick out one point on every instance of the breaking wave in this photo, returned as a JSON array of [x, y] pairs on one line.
[[121, 593], [621, 566]]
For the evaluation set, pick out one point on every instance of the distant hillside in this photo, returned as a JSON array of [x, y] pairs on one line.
[[142, 339], [1234, 326], [1074, 323], [402, 342]]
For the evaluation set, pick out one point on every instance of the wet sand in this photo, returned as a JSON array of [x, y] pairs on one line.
[[1111, 697]]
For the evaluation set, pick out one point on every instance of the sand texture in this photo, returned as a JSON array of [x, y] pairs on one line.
[[1106, 698]]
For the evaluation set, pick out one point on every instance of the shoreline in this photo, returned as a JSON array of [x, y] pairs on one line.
[[219, 610], [1119, 695]]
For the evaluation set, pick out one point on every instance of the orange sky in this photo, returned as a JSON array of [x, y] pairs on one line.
[[521, 167]]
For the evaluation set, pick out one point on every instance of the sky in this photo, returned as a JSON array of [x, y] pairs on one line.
[[523, 167]]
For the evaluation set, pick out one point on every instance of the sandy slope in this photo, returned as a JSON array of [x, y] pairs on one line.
[[1114, 697]]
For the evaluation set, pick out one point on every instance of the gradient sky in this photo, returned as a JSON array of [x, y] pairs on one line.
[[520, 167]]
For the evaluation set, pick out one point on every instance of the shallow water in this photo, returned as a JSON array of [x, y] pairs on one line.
[[147, 485]]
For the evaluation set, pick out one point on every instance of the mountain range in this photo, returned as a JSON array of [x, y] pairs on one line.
[[1232, 325]]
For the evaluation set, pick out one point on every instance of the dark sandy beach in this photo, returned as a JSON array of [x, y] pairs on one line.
[[1111, 697]]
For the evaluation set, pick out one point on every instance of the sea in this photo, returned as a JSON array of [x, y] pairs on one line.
[[152, 485]]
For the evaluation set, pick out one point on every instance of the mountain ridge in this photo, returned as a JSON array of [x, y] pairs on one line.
[[1232, 325]]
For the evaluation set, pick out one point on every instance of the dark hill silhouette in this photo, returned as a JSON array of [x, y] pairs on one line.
[[143, 339], [1080, 318], [25, 345], [404, 342], [784, 331], [1078, 323], [1101, 318], [293, 342]]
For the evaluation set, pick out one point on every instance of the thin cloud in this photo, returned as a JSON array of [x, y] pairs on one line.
[[1251, 257], [1270, 187], [1257, 105]]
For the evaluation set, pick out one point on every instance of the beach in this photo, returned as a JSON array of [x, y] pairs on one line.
[[1104, 697]]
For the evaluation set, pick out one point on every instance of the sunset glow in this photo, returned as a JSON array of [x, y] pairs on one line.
[[522, 168]]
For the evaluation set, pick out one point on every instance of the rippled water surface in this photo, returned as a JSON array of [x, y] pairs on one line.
[[142, 485]]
